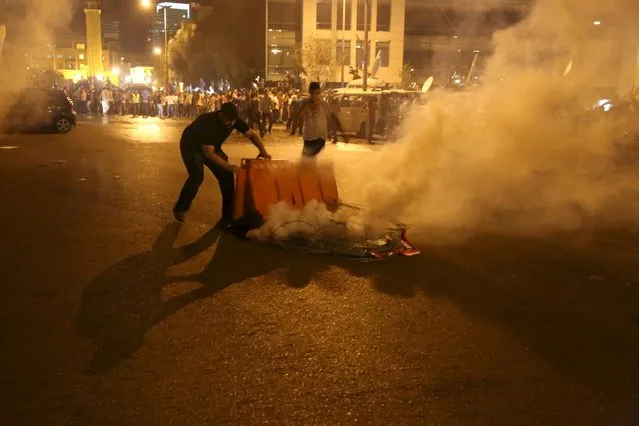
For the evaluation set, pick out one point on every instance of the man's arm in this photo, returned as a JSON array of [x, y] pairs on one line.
[[301, 110], [257, 141], [209, 152]]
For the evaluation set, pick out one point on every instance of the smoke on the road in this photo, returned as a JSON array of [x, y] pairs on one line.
[[31, 26], [519, 154]]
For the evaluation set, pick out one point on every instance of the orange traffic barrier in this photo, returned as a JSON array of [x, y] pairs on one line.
[[262, 183]]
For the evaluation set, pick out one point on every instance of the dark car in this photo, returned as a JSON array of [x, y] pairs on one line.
[[41, 109]]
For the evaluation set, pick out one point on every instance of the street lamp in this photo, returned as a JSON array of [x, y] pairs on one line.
[[147, 5], [157, 51]]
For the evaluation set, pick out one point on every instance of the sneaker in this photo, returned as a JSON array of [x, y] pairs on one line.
[[179, 216]]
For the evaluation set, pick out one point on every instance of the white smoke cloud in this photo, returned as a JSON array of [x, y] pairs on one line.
[[30, 25], [519, 154]]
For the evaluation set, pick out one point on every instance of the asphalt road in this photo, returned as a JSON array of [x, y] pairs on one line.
[[112, 314]]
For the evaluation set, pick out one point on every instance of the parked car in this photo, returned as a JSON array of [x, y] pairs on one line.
[[391, 108], [40, 109]]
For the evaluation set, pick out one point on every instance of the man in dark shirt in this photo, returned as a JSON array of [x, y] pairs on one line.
[[201, 145]]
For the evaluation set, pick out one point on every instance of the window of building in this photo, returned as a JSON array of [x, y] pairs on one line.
[[340, 14], [346, 59], [383, 15], [80, 46], [361, 6], [284, 15], [324, 9], [81, 56], [383, 48]]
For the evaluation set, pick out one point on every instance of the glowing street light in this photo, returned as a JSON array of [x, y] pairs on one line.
[[157, 51], [146, 4], [597, 23], [115, 71]]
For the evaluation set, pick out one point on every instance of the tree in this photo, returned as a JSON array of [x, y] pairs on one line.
[[48, 79], [313, 57], [407, 75], [225, 45]]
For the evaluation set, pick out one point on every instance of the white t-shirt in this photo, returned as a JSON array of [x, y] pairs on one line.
[[316, 120]]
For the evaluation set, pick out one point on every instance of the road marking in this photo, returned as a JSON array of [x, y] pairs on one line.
[[6, 148]]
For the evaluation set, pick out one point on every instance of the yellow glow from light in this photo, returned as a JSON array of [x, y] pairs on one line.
[[157, 51], [146, 133], [77, 78], [100, 77], [597, 23], [116, 71], [146, 4], [137, 75]]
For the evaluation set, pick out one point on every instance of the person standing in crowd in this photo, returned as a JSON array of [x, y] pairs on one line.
[[144, 102], [111, 100], [159, 103], [84, 107], [135, 102], [201, 145], [275, 115], [254, 114], [171, 100], [297, 120], [285, 110], [104, 97], [266, 106]]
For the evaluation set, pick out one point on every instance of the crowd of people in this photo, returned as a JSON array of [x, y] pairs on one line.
[[259, 108]]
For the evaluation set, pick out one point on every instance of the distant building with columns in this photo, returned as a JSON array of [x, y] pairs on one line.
[[94, 38]]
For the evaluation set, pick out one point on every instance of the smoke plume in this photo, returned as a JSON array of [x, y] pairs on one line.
[[521, 153], [31, 26]]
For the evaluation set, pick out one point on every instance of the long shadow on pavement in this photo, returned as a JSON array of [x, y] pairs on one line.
[[573, 303], [124, 301], [572, 300]]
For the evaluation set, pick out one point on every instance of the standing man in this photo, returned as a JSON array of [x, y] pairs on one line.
[[316, 114], [201, 145], [266, 106]]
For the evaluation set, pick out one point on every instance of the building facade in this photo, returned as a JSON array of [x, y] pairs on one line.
[[283, 37], [341, 23], [416, 37], [176, 12], [445, 39]]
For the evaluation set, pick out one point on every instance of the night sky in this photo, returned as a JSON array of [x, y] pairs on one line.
[[135, 22]]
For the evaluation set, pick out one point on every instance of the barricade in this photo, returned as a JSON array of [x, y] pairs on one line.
[[262, 183]]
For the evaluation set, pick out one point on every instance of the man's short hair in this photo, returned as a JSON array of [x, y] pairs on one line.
[[314, 86], [229, 111]]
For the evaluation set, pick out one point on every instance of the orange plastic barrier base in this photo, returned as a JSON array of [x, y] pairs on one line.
[[262, 183]]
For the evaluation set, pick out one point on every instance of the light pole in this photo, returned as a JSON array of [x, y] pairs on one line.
[[366, 49], [343, 38], [266, 47], [166, 51], [147, 4]]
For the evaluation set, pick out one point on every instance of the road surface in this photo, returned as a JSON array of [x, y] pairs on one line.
[[112, 314]]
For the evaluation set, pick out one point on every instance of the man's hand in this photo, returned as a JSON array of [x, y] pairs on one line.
[[264, 156]]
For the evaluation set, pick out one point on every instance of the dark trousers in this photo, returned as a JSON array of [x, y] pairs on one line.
[[195, 161], [297, 125], [266, 116], [256, 119]]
